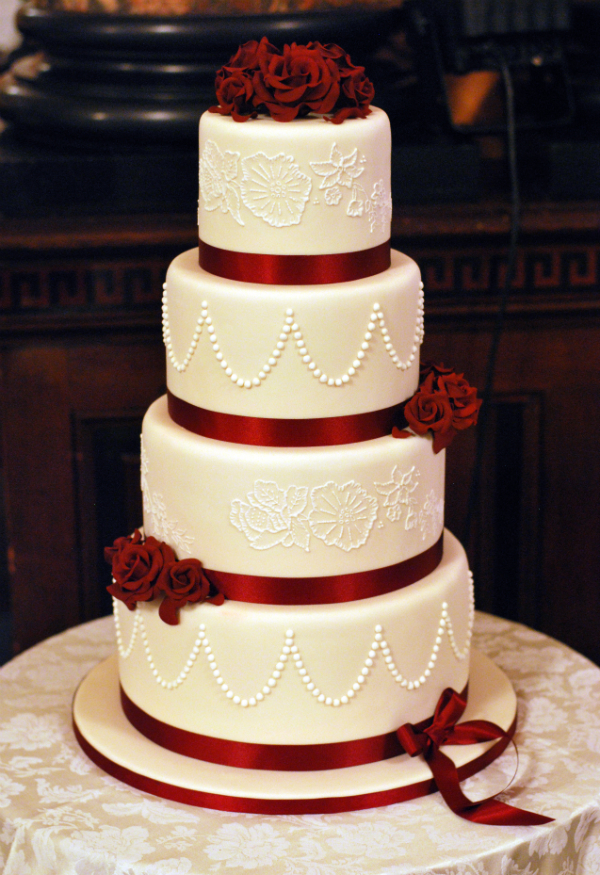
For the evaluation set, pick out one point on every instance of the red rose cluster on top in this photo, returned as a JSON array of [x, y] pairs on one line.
[[293, 82], [144, 569], [444, 404]]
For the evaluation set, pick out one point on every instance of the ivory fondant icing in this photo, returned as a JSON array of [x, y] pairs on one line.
[[306, 188], [292, 352], [292, 671], [286, 512], [303, 674]]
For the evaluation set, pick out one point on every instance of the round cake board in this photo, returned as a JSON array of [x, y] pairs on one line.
[[112, 743]]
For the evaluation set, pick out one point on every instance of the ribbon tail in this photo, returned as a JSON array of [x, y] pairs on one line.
[[489, 811]]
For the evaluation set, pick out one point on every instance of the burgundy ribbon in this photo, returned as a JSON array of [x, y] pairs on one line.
[[258, 432], [291, 270], [253, 805], [327, 590], [445, 729], [279, 757]]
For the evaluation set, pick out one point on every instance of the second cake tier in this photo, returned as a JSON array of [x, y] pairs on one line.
[[290, 512]]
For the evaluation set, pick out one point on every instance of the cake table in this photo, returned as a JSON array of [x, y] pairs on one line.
[[60, 814]]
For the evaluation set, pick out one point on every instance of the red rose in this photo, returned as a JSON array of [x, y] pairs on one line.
[[430, 410], [247, 56], [463, 398], [135, 569], [183, 582], [436, 368], [357, 93], [234, 93], [299, 80], [119, 544]]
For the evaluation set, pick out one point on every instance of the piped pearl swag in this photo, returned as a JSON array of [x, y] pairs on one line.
[[290, 655], [291, 333]]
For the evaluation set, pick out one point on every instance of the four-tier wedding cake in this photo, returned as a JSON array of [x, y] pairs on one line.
[[294, 599]]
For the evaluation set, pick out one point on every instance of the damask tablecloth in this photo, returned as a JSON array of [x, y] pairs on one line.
[[60, 815]]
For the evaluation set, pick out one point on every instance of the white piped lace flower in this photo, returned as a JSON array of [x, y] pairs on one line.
[[339, 169], [218, 188], [272, 516], [379, 207], [399, 496], [291, 331], [274, 188], [158, 520], [342, 515], [290, 654]]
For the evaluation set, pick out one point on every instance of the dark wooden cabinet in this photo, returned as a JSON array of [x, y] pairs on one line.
[[82, 358]]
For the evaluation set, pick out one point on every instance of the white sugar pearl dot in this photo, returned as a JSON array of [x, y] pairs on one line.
[[356, 686], [272, 361], [229, 694], [350, 694], [323, 378], [368, 662], [289, 312], [244, 703], [229, 372], [321, 698], [271, 682], [266, 690], [336, 703], [345, 378], [356, 363], [276, 354], [344, 700], [259, 697], [331, 381], [236, 700], [252, 701], [256, 381], [316, 692], [276, 674]]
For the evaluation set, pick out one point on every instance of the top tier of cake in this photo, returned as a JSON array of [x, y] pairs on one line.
[[306, 188]]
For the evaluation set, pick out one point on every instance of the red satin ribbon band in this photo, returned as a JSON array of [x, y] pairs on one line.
[[256, 431], [292, 270], [249, 805], [327, 590], [278, 757]]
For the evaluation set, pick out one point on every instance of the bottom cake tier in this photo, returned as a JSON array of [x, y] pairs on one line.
[[266, 676], [116, 746]]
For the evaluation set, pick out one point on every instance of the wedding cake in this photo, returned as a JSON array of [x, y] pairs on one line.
[[293, 599]]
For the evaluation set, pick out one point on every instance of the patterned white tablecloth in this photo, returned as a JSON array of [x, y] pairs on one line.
[[60, 815]]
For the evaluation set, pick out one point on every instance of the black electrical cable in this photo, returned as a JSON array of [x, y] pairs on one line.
[[511, 141]]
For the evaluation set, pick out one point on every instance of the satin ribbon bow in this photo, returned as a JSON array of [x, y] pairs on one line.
[[445, 729]]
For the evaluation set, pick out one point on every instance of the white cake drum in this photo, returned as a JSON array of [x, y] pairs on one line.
[[118, 748], [307, 202]]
